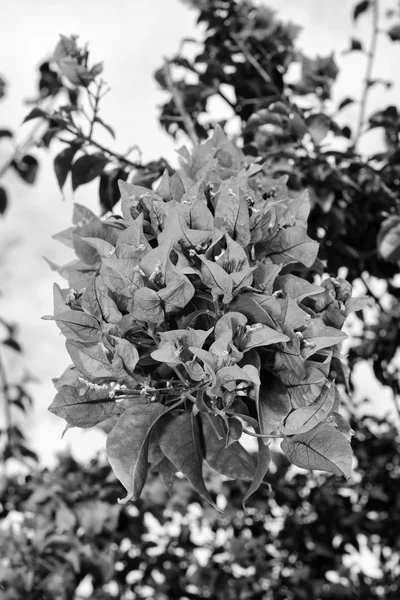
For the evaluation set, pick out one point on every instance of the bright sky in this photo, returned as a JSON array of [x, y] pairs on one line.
[[131, 36]]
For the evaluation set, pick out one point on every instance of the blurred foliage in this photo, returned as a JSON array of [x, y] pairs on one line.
[[64, 537]]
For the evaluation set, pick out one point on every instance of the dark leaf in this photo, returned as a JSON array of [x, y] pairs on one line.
[[62, 163], [3, 200], [26, 168], [127, 446], [179, 440], [360, 8], [232, 461], [35, 114], [263, 462], [87, 168]]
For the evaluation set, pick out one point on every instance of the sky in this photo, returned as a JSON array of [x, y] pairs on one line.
[[132, 37]]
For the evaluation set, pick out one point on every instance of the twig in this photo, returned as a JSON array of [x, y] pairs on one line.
[[7, 403], [177, 97], [95, 107], [255, 63], [370, 63], [260, 435], [93, 142], [371, 293]]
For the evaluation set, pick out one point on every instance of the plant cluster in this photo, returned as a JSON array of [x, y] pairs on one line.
[[184, 319]]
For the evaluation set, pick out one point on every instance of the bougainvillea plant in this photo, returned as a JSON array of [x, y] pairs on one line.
[[185, 323]]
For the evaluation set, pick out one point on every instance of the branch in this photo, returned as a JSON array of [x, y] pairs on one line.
[[7, 403], [179, 103], [370, 63]]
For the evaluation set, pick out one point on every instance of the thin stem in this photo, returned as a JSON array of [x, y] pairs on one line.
[[371, 293], [368, 73], [255, 63], [179, 103], [93, 142], [7, 403], [179, 374], [95, 107], [260, 435]]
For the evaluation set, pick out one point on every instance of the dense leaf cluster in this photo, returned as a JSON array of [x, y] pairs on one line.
[[183, 319], [64, 537]]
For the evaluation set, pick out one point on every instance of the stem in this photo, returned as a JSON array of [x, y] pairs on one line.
[[181, 377], [255, 63], [260, 435], [179, 103], [88, 140], [368, 73], [372, 294], [7, 403], [95, 107]]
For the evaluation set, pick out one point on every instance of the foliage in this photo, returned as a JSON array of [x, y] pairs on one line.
[[249, 59], [189, 323], [307, 538]]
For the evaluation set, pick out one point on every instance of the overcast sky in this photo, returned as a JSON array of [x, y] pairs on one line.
[[131, 36]]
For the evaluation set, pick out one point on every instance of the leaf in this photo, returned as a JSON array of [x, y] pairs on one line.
[[360, 8], [103, 248], [119, 275], [303, 419], [296, 287], [3, 200], [27, 168], [345, 102], [97, 302], [292, 245], [388, 241], [318, 126], [394, 32], [231, 213], [218, 280], [77, 325], [304, 391], [65, 237], [87, 168], [355, 45], [82, 215], [127, 446], [82, 411], [273, 404], [62, 163], [147, 306], [323, 448], [247, 305], [124, 361], [179, 440], [263, 462], [92, 361], [265, 275], [36, 113], [232, 461], [320, 336], [262, 335]]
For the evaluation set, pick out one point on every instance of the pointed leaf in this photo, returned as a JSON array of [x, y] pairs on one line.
[[323, 448], [303, 419], [82, 411], [179, 440], [273, 405], [232, 461], [127, 446]]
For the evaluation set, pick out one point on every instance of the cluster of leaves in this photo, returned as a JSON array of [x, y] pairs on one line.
[[23, 163], [64, 537], [15, 399], [73, 122], [247, 57], [183, 320]]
